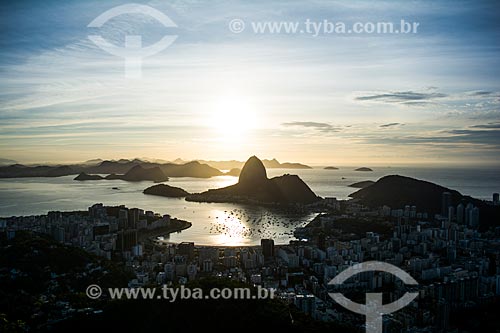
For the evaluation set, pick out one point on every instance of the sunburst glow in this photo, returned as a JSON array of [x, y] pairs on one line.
[[232, 116]]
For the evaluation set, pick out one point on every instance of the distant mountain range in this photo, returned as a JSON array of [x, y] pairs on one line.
[[254, 187], [176, 168], [137, 173], [269, 164], [121, 167], [5, 161]]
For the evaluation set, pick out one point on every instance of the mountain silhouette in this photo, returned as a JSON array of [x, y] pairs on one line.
[[254, 187]]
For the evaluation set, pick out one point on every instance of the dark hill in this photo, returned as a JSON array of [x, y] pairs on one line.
[[166, 191], [19, 170], [363, 169], [84, 176], [139, 173], [233, 172], [112, 167], [294, 189], [397, 191], [253, 173], [254, 187], [190, 169]]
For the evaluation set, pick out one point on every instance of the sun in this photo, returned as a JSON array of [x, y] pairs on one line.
[[232, 116]]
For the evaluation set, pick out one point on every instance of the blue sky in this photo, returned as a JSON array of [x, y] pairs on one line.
[[429, 97]]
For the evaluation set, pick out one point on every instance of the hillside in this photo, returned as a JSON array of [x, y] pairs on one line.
[[397, 191], [35, 268]]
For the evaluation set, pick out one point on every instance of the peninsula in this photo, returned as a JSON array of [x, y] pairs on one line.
[[254, 187], [362, 184], [166, 191]]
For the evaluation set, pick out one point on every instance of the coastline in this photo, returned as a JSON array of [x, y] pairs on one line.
[[144, 235]]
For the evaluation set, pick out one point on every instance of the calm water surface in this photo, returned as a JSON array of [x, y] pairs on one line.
[[220, 223]]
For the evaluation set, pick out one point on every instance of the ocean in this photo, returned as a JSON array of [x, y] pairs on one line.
[[221, 223]]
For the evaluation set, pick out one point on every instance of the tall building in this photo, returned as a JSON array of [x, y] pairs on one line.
[[267, 248], [207, 266], [445, 203], [133, 218], [97, 211], [460, 214], [123, 219], [474, 217], [169, 270], [496, 199], [468, 210], [451, 213], [208, 253], [186, 249], [306, 303], [126, 240]]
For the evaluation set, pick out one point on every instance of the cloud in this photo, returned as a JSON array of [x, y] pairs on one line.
[[322, 127], [488, 125], [480, 93], [391, 125], [480, 138], [488, 137], [402, 97]]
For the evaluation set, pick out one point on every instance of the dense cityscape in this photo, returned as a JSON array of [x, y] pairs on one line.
[[457, 265]]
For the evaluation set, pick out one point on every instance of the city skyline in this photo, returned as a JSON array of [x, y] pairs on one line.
[[431, 97]]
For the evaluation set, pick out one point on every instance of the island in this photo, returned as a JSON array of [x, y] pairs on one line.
[[363, 169], [254, 187], [166, 191], [85, 176], [331, 168], [362, 184]]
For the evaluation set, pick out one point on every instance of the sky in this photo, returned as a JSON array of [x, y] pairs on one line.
[[429, 97]]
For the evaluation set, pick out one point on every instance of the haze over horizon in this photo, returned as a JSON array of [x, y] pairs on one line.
[[427, 98]]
